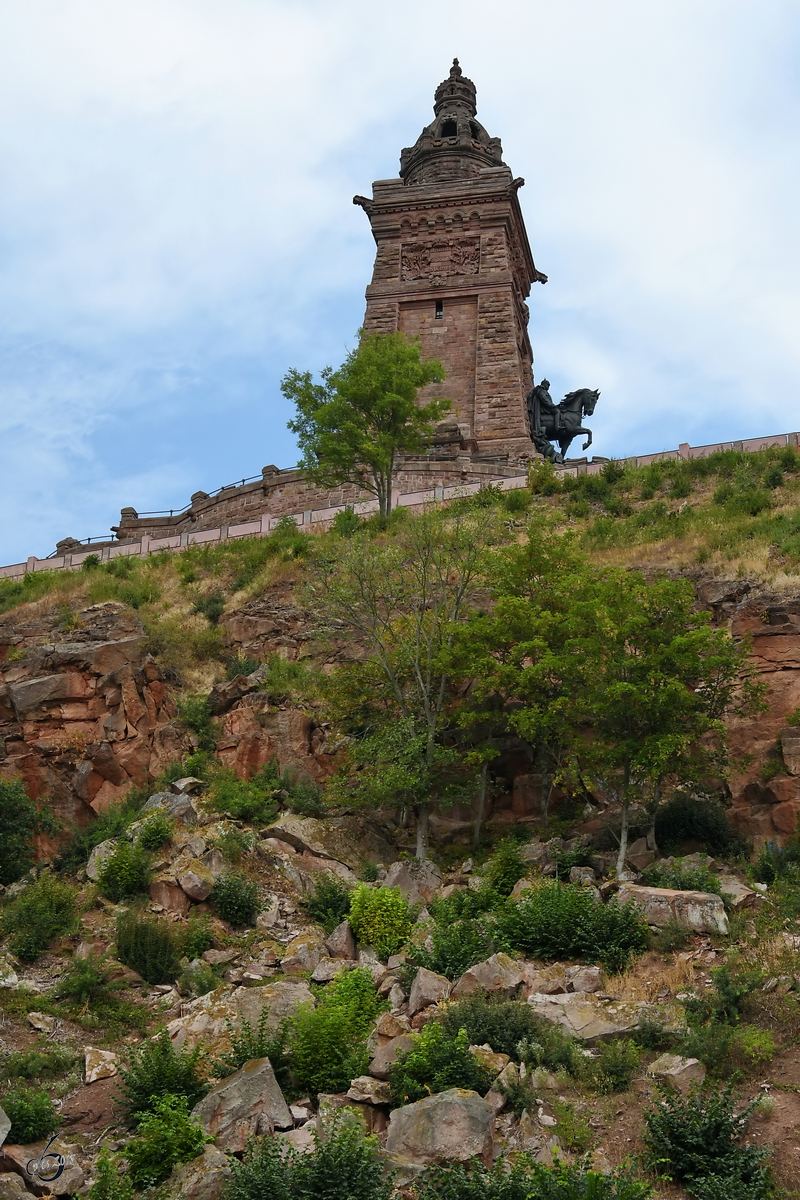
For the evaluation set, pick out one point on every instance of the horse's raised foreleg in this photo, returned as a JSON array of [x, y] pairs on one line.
[[588, 441]]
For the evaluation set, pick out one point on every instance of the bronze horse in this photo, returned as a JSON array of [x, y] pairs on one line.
[[551, 422]]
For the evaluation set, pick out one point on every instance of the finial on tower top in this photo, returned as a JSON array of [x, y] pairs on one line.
[[455, 70]]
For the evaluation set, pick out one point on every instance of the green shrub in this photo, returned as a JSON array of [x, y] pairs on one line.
[[671, 937], [344, 1165], [148, 945], [235, 843], [558, 921], [248, 1043], [435, 1063], [346, 523], [196, 716], [506, 867], [503, 1024], [466, 903], [156, 831], [20, 820], [164, 1137], [240, 664], [329, 1043], [565, 860], [249, 800], [517, 500], [724, 1002], [39, 1064], [43, 911], [125, 873], [286, 679], [211, 606], [697, 1138], [87, 982], [573, 1130], [196, 937], [681, 875], [456, 947], [529, 1180], [615, 1067], [198, 979], [380, 917], [235, 898], [692, 818], [157, 1069], [32, 1114], [109, 1184], [777, 862], [542, 478], [329, 903]]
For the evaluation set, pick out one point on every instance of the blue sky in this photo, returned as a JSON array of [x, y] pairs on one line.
[[176, 225]]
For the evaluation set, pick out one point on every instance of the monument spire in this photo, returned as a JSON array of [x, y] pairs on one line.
[[455, 145]]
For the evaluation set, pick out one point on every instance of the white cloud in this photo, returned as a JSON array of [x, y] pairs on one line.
[[176, 227]]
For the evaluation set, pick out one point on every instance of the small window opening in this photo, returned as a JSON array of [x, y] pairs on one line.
[[474, 131], [449, 129], [439, 309]]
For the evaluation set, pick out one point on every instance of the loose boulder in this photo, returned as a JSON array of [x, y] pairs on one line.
[[386, 1055], [205, 1019], [203, 1178], [498, 974], [418, 881], [677, 1072], [427, 988], [99, 1064], [455, 1125], [703, 912], [247, 1103], [595, 1019]]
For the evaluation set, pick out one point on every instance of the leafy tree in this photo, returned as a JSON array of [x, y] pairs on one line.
[[20, 819], [353, 424], [403, 601], [660, 682]]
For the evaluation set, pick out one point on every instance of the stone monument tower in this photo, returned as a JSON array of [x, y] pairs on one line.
[[454, 267]]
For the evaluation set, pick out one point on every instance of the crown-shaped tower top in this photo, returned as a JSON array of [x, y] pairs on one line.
[[455, 145]]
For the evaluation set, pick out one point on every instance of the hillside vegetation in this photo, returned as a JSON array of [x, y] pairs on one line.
[[387, 819]]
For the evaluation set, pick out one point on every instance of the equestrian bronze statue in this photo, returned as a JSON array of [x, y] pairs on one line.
[[551, 422]]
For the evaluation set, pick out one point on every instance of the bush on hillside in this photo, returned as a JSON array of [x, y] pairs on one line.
[[506, 867], [505, 1025], [436, 1062], [126, 873], [45, 910], [157, 1069], [344, 1165], [155, 831], [31, 1113], [697, 819], [164, 1137], [236, 899], [329, 1043], [250, 800], [558, 921], [455, 947], [109, 1184], [683, 876], [380, 917], [697, 1140], [329, 903], [529, 1180], [148, 946], [20, 820]]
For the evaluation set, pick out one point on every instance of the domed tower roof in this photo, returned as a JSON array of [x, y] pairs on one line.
[[455, 145]]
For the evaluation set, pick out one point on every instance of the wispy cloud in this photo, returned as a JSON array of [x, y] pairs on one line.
[[176, 227]]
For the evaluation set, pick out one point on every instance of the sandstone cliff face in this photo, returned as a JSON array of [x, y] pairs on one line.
[[84, 712]]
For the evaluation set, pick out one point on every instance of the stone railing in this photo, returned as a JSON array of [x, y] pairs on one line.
[[321, 518]]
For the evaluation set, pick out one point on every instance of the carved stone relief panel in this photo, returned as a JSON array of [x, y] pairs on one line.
[[440, 258]]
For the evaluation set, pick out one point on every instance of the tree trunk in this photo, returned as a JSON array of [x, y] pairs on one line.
[[481, 804], [423, 812], [546, 784], [623, 833]]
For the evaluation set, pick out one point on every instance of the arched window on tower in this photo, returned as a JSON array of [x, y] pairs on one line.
[[449, 129]]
